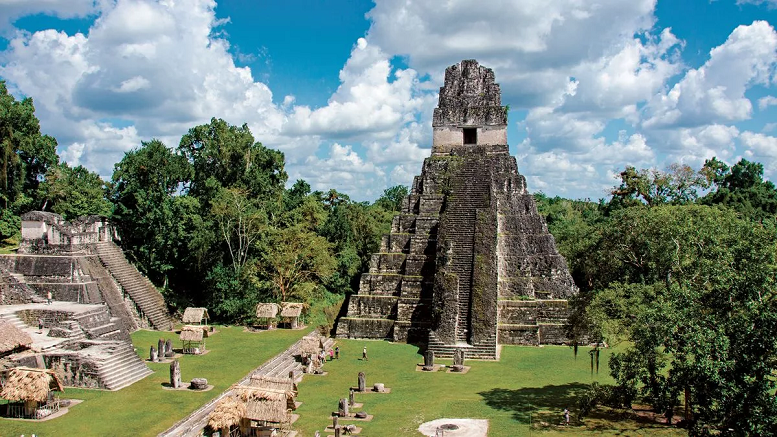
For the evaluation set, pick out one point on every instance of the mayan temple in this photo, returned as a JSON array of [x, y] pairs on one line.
[[469, 263]]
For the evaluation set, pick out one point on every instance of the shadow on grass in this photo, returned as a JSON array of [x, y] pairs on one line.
[[522, 402]]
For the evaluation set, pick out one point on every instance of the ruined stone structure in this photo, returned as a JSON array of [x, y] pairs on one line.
[[78, 262], [469, 262], [98, 300]]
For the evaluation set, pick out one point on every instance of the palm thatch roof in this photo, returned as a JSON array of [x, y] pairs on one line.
[[12, 337], [291, 309], [270, 383], [192, 333], [266, 310], [265, 405], [195, 315], [229, 411], [311, 345], [28, 384]]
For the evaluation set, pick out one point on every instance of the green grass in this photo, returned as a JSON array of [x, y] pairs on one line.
[[145, 408], [527, 385]]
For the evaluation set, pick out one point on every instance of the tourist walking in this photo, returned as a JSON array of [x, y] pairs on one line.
[[566, 417], [337, 352], [48, 297], [364, 354]]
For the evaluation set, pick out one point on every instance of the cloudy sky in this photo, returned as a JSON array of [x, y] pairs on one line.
[[346, 88]]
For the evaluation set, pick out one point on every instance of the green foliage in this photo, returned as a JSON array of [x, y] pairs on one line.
[[25, 157], [74, 192], [392, 198], [692, 290], [742, 188]]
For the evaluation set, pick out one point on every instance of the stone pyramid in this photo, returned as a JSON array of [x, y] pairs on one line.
[[469, 262]]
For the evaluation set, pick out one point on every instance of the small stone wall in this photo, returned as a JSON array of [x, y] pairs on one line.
[[50, 317], [365, 328], [380, 307], [532, 312]]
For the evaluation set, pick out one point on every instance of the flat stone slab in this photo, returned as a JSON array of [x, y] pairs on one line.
[[464, 427], [385, 390], [352, 416], [185, 387], [463, 371], [420, 368]]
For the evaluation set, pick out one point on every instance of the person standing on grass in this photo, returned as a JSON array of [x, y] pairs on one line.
[[566, 416], [337, 352], [364, 354]]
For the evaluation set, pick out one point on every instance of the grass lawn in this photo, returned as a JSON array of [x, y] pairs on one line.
[[145, 408], [526, 386]]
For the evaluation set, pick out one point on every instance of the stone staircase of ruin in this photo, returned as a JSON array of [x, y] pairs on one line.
[[142, 292], [111, 293], [485, 350], [121, 368], [472, 191]]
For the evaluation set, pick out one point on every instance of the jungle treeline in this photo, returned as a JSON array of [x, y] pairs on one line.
[[676, 267]]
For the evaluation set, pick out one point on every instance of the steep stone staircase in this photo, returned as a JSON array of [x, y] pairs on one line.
[[110, 292], [147, 298], [122, 367]]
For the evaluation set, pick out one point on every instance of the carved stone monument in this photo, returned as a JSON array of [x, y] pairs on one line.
[[428, 361], [153, 357], [350, 397], [169, 349], [469, 259], [458, 357], [362, 386], [161, 348], [343, 409], [335, 420], [175, 374]]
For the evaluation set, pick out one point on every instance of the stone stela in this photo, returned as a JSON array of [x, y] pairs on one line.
[[469, 262]]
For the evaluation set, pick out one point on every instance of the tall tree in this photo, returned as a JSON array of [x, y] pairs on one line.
[[25, 157], [692, 289], [227, 156], [155, 220], [742, 188], [74, 192]]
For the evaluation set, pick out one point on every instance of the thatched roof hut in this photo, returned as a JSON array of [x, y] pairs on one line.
[[291, 309], [263, 405], [227, 413], [28, 384], [12, 337], [195, 315], [193, 339], [311, 345], [193, 333], [271, 383], [266, 310]]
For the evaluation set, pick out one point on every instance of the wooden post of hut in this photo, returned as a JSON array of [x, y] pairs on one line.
[[290, 313], [266, 314]]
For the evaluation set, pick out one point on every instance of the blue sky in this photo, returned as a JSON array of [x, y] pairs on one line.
[[345, 88]]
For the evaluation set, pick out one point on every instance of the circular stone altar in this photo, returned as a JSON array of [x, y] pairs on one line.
[[456, 427]]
